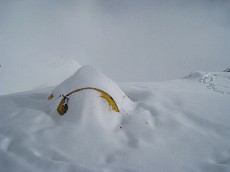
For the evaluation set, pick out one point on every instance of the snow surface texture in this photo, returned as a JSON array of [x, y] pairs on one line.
[[42, 73], [218, 82], [180, 125]]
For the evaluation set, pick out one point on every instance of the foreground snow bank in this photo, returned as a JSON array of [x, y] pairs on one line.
[[180, 125]]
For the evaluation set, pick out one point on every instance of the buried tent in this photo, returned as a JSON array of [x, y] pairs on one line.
[[63, 105], [88, 78]]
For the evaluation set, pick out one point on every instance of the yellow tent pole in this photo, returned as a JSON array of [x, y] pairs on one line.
[[104, 95]]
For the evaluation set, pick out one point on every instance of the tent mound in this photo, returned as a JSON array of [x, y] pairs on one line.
[[88, 79]]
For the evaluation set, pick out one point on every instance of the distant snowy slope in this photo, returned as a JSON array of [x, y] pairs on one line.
[[215, 81], [34, 73], [177, 126]]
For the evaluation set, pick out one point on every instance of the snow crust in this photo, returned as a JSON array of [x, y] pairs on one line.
[[180, 125]]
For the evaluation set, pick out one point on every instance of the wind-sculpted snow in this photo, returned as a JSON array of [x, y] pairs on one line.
[[33, 73], [176, 126], [215, 81]]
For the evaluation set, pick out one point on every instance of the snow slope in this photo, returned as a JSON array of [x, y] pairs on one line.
[[179, 125], [33, 73]]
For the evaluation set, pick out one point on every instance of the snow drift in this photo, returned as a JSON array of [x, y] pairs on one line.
[[179, 125], [216, 81], [26, 74]]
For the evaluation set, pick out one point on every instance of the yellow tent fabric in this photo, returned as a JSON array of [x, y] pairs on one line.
[[61, 109]]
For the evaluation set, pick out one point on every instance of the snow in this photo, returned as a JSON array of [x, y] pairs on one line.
[[26, 74], [178, 125]]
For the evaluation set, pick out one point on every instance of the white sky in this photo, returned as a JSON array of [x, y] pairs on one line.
[[128, 40]]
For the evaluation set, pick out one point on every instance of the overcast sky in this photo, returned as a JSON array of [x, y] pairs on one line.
[[128, 40]]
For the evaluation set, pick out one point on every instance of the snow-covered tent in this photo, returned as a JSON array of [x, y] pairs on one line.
[[88, 79]]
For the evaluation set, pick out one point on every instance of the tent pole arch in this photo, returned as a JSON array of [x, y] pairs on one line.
[[104, 95]]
